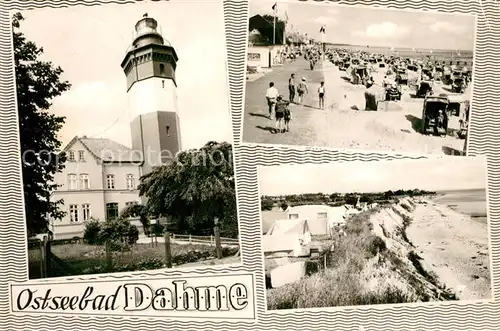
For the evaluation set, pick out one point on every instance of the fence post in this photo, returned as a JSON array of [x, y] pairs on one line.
[[48, 255], [109, 261], [190, 239], [218, 248], [168, 253], [43, 257]]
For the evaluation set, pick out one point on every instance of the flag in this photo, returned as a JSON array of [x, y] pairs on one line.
[[323, 29], [275, 7]]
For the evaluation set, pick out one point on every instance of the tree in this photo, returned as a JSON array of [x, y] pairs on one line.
[[38, 83], [265, 25], [193, 190], [266, 204], [351, 199], [366, 198], [137, 211]]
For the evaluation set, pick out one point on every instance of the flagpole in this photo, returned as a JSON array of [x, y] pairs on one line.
[[284, 30], [274, 28], [323, 44]]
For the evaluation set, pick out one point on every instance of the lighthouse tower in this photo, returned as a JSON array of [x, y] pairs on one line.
[[149, 66]]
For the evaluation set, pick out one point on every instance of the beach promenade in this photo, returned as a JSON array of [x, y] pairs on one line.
[[257, 125], [343, 123]]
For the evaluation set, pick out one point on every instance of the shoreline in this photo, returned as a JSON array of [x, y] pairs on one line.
[[454, 246]]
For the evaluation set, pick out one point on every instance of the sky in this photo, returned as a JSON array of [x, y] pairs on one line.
[[89, 43], [444, 174], [363, 26]]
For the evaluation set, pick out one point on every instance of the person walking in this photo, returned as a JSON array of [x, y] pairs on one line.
[[301, 90], [321, 95], [271, 97], [281, 106], [287, 118], [291, 87]]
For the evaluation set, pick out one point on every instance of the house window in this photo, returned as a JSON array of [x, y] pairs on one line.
[[111, 210], [72, 182], [81, 156], [163, 84], [85, 181], [111, 181], [162, 68], [168, 130], [71, 156], [86, 211], [73, 213], [293, 216], [130, 182], [322, 215]]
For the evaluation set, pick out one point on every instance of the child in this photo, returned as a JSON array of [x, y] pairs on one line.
[[281, 106], [301, 90], [287, 118], [321, 93]]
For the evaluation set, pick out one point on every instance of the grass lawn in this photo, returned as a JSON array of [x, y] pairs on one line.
[[81, 259]]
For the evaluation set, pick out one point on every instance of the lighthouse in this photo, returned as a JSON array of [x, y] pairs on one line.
[[149, 66]]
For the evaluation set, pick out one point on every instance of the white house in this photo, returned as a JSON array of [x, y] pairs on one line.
[[315, 213], [99, 180]]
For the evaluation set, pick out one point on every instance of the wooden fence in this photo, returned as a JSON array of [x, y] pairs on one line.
[[43, 263], [204, 240]]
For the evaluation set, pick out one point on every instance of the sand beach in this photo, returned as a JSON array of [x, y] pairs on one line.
[[454, 246]]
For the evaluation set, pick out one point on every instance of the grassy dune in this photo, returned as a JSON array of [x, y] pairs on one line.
[[374, 263]]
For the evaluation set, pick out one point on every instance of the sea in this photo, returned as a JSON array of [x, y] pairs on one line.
[[470, 202]]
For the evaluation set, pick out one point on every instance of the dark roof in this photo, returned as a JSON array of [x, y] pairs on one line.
[[107, 150], [265, 28]]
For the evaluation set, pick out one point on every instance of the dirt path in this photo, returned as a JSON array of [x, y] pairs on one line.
[[454, 247]]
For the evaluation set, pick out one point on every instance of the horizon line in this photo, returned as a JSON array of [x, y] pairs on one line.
[[401, 47], [375, 192]]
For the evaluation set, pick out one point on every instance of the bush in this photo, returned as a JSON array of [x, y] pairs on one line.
[[351, 200], [118, 232], [158, 229], [284, 205], [91, 233], [375, 245]]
